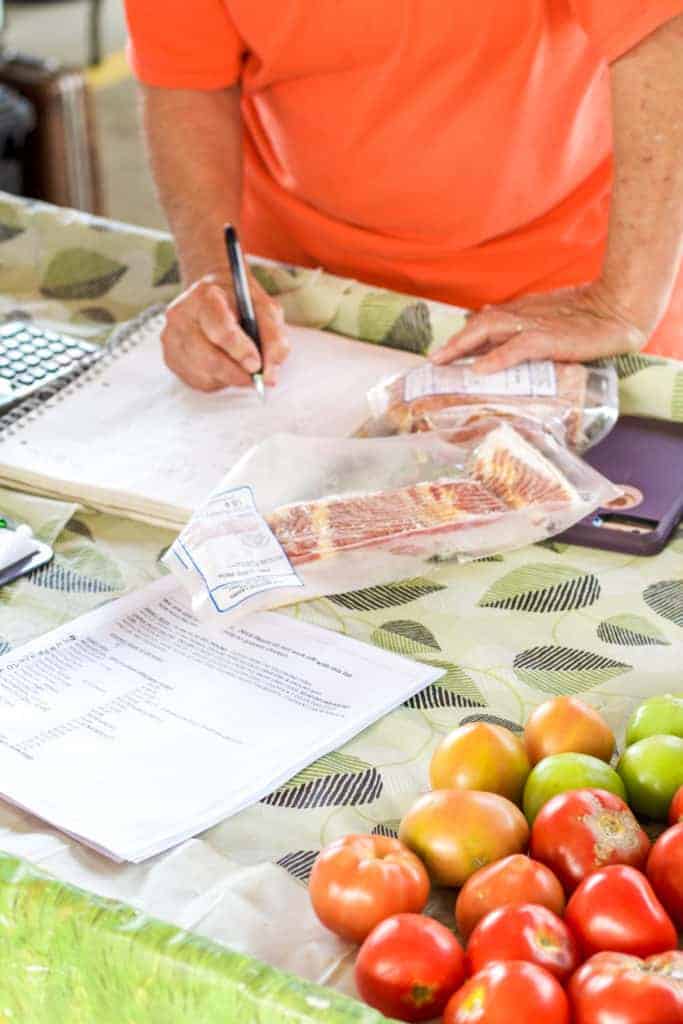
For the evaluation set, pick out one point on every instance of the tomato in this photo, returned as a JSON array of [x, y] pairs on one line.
[[656, 716], [582, 830], [567, 725], [514, 879], [456, 831], [652, 771], [409, 966], [560, 772], [524, 932], [676, 808], [611, 988], [506, 992], [616, 909], [357, 881], [481, 756], [665, 871]]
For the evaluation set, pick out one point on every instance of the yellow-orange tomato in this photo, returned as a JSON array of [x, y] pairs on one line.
[[456, 831], [566, 725], [481, 756], [358, 881]]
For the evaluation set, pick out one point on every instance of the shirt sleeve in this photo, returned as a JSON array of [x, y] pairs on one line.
[[183, 44], [616, 26]]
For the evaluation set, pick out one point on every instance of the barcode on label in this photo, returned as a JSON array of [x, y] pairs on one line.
[[532, 380]]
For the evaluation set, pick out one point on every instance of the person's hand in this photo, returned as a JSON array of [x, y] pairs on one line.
[[204, 344], [569, 325]]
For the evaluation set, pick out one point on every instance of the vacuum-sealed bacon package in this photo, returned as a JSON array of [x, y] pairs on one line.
[[578, 403], [302, 517]]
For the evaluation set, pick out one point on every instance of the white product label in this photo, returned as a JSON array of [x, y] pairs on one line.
[[534, 380], [230, 546]]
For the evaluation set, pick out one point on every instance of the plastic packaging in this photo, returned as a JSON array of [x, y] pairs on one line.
[[362, 512], [578, 403]]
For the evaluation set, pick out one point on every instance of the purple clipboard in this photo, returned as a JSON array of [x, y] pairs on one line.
[[645, 458]]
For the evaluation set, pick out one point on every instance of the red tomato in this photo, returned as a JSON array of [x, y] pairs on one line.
[[582, 830], [616, 909], [611, 988], [506, 992], [676, 807], [409, 966], [524, 932], [514, 879], [665, 871], [358, 881]]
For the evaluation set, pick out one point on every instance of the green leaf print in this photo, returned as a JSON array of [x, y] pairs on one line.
[[80, 274], [542, 587], [677, 398], [404, 636], [666, 599], [564, 670], [165, 265], [631, 631], [395, 320], [10, 222], [628, 365], [334, 780], [455, 689], [388, 595], [412, 332]]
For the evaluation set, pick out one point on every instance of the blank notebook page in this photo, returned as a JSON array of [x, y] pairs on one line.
[[131, 438]]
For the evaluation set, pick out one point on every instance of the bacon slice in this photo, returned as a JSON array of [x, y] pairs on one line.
[[404, 417], [318, 529], [518, 473]]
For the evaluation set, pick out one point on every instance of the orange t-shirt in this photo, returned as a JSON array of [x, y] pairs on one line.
[[456, 150]]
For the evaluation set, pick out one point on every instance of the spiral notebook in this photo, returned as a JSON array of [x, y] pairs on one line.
[[128, 437]]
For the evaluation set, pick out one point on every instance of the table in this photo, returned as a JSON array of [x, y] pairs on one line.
[[509, 631]]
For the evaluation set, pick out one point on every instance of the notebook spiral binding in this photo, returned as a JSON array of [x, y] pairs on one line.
[[124, 338]]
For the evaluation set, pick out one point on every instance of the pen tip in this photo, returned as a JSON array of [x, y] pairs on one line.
[[260, 386]]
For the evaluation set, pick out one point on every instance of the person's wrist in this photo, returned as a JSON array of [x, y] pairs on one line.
[[637, 303]]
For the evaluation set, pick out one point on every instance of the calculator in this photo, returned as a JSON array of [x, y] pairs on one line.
[[32, 358]]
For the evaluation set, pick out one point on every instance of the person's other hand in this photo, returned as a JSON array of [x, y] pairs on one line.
[[569, 325], [204, 344]]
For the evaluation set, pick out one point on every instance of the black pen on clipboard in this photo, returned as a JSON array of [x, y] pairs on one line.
[[245, 307]]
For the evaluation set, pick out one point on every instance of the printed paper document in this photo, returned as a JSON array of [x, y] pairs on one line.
[[134, 728]]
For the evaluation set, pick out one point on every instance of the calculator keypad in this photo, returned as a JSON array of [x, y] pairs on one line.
[[29, 356]]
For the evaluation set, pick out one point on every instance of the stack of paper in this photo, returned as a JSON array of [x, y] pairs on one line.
[[135, 728]]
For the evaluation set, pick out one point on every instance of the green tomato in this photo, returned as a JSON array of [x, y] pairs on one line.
[[652, 771], [561, 772], [657, 716]]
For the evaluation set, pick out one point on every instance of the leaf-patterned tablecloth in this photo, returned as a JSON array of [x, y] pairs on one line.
[[508, 631]]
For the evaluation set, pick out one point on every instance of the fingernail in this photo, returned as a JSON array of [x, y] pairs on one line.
[[252, 364]]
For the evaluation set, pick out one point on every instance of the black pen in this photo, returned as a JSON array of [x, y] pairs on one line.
[[245, 307]]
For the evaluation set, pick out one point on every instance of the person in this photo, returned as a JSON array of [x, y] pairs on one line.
[[524, 160]]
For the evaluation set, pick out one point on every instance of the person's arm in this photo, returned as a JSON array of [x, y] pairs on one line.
[[194, 140], [618, 312]]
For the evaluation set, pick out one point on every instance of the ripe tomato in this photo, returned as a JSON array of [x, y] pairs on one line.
[[357, 881], [676, 807], [561, 772], [456, 831], [481, 756], [514, 879], [524, 932], [409, 966], [665, 871], [616, 909], [508, 991], [611, 988], [578, 832], [566, 725]]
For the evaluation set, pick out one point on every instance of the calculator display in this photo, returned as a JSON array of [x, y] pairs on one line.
[[31, 358]]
